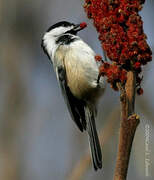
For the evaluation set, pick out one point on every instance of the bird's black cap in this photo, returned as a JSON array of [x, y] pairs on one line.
[[62, 23]]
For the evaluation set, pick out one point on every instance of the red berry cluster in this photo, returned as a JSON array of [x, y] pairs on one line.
[[114, 74], [121, 33], [83, 25]]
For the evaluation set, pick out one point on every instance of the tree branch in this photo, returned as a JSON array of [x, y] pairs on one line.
[[128, 125]]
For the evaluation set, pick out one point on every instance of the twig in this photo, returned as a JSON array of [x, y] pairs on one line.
[[84, 163], [128, 125], [14, 107]]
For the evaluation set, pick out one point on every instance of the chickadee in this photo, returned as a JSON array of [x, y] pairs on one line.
[[77, 73]]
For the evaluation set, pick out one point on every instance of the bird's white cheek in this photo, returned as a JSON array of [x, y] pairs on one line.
[[51, 46]]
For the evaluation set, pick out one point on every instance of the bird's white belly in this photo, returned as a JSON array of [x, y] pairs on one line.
[[81, 69], [81, 78]]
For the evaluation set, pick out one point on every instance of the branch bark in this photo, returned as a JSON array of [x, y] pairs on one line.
[[128, 125]]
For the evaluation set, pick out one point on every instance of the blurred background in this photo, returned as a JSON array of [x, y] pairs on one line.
[[38, 139]]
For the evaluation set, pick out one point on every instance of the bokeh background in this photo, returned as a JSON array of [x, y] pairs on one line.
[[38, 139]]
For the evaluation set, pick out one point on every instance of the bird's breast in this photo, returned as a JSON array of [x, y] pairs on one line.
[[81, 69], [81, 73]]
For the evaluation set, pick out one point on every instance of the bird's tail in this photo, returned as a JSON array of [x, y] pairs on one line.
[[93, 138]]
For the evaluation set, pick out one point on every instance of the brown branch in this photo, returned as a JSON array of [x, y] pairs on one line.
[[128, 125], [104, 135], [14, 108]]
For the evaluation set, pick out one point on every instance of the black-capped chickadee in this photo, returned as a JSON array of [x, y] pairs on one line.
[[77, 73]]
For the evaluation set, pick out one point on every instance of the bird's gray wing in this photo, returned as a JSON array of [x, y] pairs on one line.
[[83, 116], [75, 106]]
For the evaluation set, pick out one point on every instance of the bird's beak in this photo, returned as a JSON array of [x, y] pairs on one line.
[[79, 27]]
